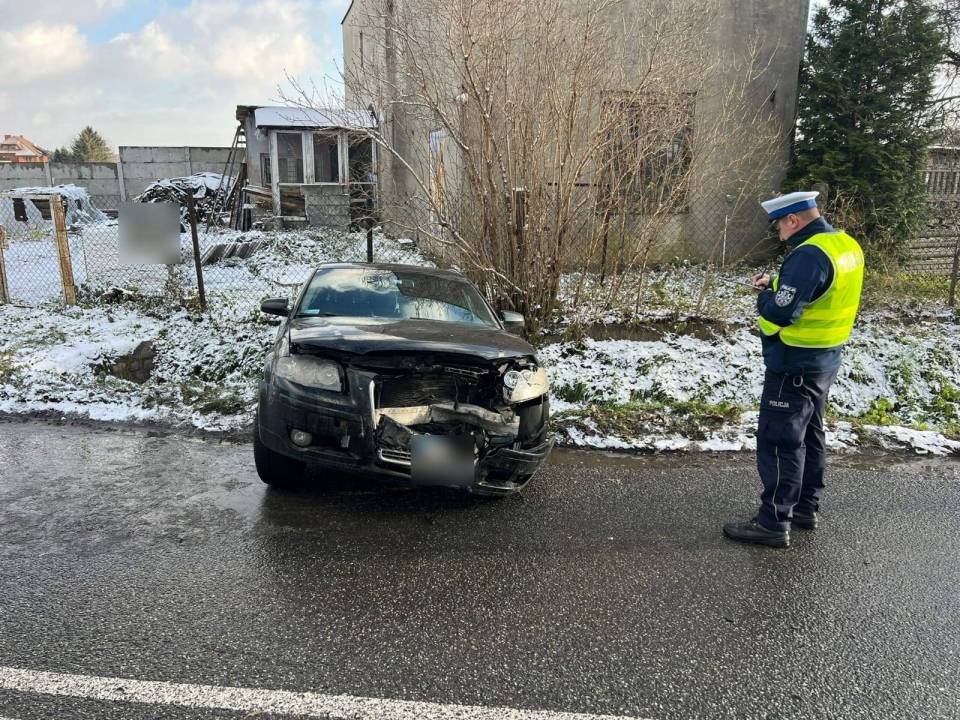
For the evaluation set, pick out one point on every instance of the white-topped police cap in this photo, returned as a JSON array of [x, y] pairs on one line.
[[793, 202]]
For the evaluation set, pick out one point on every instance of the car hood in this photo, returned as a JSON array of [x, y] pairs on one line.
[[363, 337]]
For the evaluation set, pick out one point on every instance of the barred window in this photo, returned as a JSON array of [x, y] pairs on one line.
[[649, 139]]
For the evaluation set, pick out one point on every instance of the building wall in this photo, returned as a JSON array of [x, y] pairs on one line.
[[725, 220], [258, 142]]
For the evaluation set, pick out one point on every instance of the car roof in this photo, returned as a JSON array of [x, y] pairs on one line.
[[395, 267]]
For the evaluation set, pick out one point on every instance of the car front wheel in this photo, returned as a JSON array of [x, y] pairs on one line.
[[275, 469]]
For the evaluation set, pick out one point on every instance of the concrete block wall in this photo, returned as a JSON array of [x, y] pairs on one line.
[[139, 166], [100, 179], [14, 175], [142, 164]]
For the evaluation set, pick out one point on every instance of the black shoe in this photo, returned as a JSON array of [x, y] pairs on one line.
[[754, 532], [806, 521]]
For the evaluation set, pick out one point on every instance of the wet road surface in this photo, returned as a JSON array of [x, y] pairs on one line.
[[606, 588]]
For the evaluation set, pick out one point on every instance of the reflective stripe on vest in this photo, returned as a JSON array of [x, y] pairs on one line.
[[828, 320]]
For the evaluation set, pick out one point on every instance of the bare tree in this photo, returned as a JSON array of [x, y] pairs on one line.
[[522, 141]]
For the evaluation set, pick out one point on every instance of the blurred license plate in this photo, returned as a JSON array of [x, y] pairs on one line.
[[442, 460]]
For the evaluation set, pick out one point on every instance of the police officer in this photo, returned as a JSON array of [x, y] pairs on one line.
[[806, 315]]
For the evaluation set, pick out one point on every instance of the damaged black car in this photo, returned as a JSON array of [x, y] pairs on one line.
[[405, 373]]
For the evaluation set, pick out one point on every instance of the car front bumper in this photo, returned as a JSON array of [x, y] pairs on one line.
[[344, 439]]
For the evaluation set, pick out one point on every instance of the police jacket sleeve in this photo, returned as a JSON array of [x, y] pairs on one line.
[[803, 278]]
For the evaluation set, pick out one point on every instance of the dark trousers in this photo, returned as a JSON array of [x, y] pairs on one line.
[[791, 445]]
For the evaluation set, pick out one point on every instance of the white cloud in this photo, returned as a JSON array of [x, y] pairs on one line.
[[252, 45], [37, 51], [174, 80], [152, 50], [21, 12]]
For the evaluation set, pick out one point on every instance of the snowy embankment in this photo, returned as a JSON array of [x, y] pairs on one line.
[[682, 369], [679, 368]]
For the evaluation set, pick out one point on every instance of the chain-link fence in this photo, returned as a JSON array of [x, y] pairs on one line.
[[79, 257], [52, 252], [935, 251], [34, 249]]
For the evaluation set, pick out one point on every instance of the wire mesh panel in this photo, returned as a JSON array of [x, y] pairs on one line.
[[29, 259]]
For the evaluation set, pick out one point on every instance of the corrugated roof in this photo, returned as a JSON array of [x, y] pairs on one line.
[[312, 118]]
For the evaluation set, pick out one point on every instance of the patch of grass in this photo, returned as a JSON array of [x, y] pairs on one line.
[[209, 398], [8, 370], [578, 392], [574, 332], [947, 402], [879, 413], [894, 289], [636, 418]]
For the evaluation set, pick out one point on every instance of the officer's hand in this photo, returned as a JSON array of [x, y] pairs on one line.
[[761, 281]]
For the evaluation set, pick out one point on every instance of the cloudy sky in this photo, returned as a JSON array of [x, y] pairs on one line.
[[156, 72]]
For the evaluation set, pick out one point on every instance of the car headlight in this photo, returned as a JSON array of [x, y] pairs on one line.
[[523, 385], [311, 372]]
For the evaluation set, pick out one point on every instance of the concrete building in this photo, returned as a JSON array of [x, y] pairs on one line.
[[17, 149], [723, 222], [314, 166]]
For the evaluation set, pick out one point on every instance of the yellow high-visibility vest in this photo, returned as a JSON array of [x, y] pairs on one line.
[[828, 320]]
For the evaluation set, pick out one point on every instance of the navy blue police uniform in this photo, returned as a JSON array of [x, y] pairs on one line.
[[791, 442]]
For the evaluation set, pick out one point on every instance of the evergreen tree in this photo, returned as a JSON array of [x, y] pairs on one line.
[[62, 155], [864, 124], [89, 146]]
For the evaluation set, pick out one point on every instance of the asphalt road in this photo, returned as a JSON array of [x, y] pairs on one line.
[[606, 588]]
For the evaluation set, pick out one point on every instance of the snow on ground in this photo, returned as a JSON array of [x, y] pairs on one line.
[[666, 383], [282, 262], [899, 386], [54, 359]]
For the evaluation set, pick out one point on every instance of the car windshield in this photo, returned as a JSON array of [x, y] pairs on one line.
[[393, 295]]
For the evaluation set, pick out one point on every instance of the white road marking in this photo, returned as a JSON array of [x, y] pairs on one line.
[[307, 704]]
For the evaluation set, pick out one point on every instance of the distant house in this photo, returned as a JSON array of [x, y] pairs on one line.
[[17, 149], [311, 166]]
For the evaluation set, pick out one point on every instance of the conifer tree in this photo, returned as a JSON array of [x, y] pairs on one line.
[[89, 146], [863, 120]]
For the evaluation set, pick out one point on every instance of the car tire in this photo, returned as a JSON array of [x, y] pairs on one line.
[[274, 469]]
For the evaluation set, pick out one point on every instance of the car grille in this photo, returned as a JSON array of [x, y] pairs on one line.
[[407, 391]]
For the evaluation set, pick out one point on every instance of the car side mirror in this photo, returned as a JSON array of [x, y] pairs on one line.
[[275, 306], [513, 321]]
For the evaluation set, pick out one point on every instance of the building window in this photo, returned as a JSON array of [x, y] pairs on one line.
[[326, 161], [649, 151], [290, 157], [265, 169], [361, 49]]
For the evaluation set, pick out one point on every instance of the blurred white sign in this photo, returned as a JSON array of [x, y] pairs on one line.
[[150, 234]]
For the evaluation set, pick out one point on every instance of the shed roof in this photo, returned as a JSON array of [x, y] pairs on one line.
[[294, 117]]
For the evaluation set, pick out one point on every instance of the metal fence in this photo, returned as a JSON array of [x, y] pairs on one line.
[[935, 251], [48, 255], [51, 252]]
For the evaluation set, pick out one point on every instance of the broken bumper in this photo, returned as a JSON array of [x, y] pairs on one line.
[[344, 435]]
